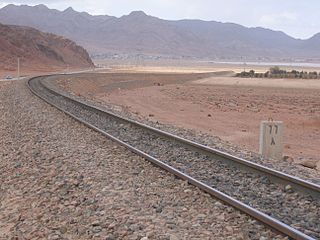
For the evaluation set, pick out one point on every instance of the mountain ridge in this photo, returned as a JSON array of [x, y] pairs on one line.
[[139, 33], [38, 50]]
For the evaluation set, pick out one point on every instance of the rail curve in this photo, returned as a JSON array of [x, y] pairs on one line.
[[187, 160]]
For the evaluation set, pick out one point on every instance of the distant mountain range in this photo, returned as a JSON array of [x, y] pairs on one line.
[[38, 50], [138, 33]]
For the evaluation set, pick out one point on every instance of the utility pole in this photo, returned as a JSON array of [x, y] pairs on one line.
[[18, 68]]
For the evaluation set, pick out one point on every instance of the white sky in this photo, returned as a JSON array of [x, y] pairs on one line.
[[298, 18]]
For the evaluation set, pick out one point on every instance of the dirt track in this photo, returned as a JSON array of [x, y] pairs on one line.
[[230, 111]]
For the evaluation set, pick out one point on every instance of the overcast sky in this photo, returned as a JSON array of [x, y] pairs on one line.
[[298, 18]]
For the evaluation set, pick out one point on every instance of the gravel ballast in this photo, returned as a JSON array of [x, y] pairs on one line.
[[61, 180], [295, 209], [60, 84]]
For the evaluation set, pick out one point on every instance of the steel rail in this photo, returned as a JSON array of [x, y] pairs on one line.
[[280, 177], [260, 216]]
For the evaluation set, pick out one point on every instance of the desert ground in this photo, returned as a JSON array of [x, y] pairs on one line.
[[62, 180], [214, 103], [188, 66], [36, 71]]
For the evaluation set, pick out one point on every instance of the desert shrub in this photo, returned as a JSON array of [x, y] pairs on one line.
[[251, 73], [276, 72]]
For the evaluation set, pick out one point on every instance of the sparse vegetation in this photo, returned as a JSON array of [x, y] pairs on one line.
[[276, 72]]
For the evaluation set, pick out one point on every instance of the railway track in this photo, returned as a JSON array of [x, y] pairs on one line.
[[286, 203]]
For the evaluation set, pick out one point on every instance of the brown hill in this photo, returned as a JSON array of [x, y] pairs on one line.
[[38, 50], [138, 33]]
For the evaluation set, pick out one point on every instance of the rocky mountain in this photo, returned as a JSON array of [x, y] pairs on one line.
[[138, 33], [314, 43], [38, 50]]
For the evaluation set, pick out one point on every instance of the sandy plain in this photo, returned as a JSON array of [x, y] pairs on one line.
[[36, 71], [188, 66], [218, 104]]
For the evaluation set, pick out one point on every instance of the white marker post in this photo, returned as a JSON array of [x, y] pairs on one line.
[[271, 145], [18, 68]]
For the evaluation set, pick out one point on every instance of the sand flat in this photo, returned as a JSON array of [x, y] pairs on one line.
[[262, 82]]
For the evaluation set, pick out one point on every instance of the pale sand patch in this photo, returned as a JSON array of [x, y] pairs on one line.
[[162, 70], [185, 66], [262, 82]]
